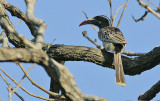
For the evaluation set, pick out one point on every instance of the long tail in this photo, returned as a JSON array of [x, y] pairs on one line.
[[120, 79]]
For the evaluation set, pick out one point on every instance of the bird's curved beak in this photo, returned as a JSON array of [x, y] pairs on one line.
[[88, 21]]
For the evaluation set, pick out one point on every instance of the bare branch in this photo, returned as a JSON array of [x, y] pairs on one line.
[[116, 13], [142, 18], [38, 22], [122, 13], [24, 88], [22, 77], [91, 24], [94, 42], [151, 93], [132, 66], [35, 84], [17, 86], [9, 28], [21, 37], [5, 42], [19, 14], [149, 9], [110, 3], [93, 98], [11, 89], [5, 39], [18, 23], [158, 7], [58, 72], [129, 53], [152, 4], [2, 36]]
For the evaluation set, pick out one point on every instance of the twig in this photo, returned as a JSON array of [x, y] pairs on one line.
[[11, 89], [85, 14], [40, 87], [31, 67], [122, 13], [49, 45], [91, 24], [152, 4], [149, 9], [18, 22], [22, 77], [17, 86], [116, 13], [129, 53], [110, 3], [142, 18], [24, 88], [158, 7], [94, 42], [151, 93]]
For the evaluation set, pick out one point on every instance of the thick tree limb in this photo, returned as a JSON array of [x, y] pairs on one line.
[[19, 14], [151, 93], [35, 21], [55, 70], [60, 73], [132, 66], [6, 25]]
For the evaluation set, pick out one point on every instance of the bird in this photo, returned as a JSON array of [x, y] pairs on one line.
[[113, 41]]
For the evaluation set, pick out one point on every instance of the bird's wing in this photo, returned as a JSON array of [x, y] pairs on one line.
[[112, 34]]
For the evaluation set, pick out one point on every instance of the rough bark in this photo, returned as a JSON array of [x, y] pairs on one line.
[[132, 66]]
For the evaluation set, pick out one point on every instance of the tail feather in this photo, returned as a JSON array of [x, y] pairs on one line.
[[120, 79]]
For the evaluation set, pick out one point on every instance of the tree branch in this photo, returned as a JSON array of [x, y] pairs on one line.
[[111, 9], [151, 93], [149, 9], [91, 24], [122, 14], [58, 72], [19, 14], [11, 88], [34, 83], [116, 13], [35, 21], [94, 42], [12, 35], [142, 18], [132, 66], [24, 88]]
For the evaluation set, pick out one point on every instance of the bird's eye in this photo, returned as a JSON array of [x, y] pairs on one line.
[[99, 22]]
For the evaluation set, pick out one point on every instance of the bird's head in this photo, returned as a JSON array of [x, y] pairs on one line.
[[100, 21]]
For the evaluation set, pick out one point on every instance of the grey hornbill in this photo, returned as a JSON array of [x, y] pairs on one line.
[[113, 40]]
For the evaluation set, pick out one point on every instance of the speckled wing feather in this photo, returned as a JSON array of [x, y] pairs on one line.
[[112, 35]]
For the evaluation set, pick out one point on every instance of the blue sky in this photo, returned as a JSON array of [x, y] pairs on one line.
[[63, 18]]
